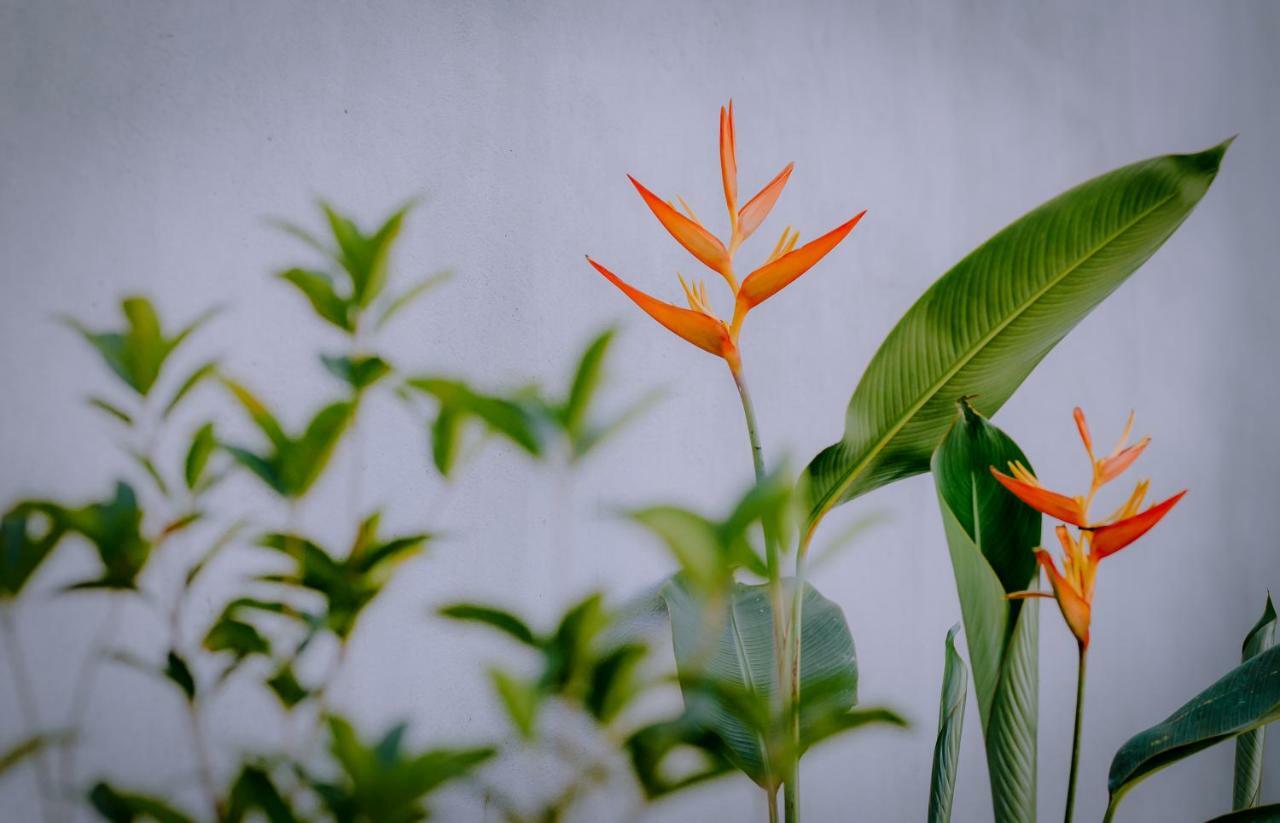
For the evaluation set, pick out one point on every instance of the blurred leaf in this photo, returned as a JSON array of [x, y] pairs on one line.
[[983, 326], [254, 790], [197, 376], [586, 379], [28, 747], [318, 288], [382, 783], [203, 444], [1245, 699], [520, 698], [652, 747], [1258, 814], [138, 352], [348, 584], [121, 807], [360, 373], [29, 532], [512, 418], [499, 619], [111, 409], [148, 467], [615, 680], [286, 687], [292, 464], [946, 750], [991, 536], [1248, 782], [223, 540], [114, 527], [410, 295], [728, 669], [177, 670]]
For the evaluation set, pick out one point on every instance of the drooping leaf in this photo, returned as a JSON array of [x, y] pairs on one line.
[[730, 674], [946, 749], [112, 409], [201, 373], [1246, 698], [653, 747], [499, 619], [981, 328], [318, 288], [1247, 790], [991, 538], [203, 444]]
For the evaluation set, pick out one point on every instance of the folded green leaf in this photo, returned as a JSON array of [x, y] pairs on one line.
[[981, 328], [1247, 791], [991, 537], [946, 749], [1245, 699]]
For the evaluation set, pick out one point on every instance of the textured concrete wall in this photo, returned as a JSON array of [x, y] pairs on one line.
[[142, 144]]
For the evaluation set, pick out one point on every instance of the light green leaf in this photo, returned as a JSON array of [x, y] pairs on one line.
[[197, 376], [586, 379], [520, 698], [982, 328], [1247, 698], [358, 372], [991, 537], [110, 408], [317, 287], [946, 749], [203, 444], [410, 295], [1247, 791]]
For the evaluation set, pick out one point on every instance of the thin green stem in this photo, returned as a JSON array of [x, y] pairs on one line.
[[29, 709], [774, 563], [1075, 740]]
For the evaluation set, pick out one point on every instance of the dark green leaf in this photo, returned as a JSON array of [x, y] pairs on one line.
[[114, 527], [29, 532], [1245, 699], [946, 749], [652, 747], [255, 791], [982, 328], [1247, 791], [286, 687], [360, 373], [203, 444], [177, 670], [1258, 814], [122, 807], [991, 537]]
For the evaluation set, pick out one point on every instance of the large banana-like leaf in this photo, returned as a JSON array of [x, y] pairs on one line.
[[1258, 814], [946, 750], [730, 646], [1247, 698], [1248, 784], [982, 327], [991, 537]]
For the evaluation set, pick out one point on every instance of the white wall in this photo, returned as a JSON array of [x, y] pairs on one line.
[[144, 143]]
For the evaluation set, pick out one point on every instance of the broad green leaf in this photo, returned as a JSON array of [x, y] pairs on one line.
[[946, 749], [991, 538], [737, 657], [981, 328], [1247, 791], [1247, 698], [683, 739]]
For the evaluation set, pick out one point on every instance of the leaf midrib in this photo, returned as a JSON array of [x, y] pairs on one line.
[[839, 490]]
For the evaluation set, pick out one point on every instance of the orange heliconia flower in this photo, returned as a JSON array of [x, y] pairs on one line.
[[698, 324], [1073, 586]]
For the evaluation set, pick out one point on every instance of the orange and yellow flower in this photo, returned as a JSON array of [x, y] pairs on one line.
[[1095, 539], [698, 324]]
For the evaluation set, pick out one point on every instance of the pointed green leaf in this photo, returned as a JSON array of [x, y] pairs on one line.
[[110, 408], [1247, 698], [317, 287], [981, 328], [410, 295], [500, 619], [946, 749], [197, 376], [203, 444], [358, 372], [124, 807], [586, 379], [1247, 791], [991, 538], [520, 699]]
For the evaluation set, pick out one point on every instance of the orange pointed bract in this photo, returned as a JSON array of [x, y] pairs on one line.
[[1075, 608], [1058, 506], [700, 329], [771, 278], [1111, 538], [728, 160], [1112, 467], [758, 207], [701, 243]]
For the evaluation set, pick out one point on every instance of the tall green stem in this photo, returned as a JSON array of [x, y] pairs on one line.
[[1075, 740], [790, 780]]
